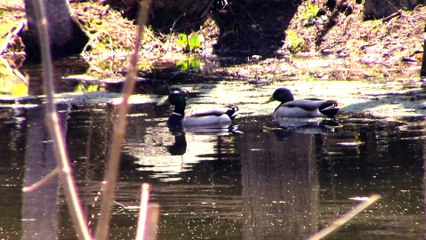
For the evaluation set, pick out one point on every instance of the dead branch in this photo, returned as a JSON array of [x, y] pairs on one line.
[[102, 228], [345, 218], [42, 181]]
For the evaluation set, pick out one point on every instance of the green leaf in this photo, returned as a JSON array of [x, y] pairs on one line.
[[195, 64], [182, 40], [183, 66], [194, 42]]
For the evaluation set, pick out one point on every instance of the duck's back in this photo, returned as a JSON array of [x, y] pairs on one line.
[[211, 117], [309, 107], [296, 112]]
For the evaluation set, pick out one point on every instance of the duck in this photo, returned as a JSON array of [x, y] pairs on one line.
[[209, 118], [302, 108]]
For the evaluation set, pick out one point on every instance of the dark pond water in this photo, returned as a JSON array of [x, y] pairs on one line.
[[262, 182]]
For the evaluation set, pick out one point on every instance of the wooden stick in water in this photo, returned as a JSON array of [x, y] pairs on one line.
[[345, 218]]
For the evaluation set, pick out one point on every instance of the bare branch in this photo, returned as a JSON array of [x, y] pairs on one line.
[[42, 181], [143, 212], [102, 228], [151, 223]]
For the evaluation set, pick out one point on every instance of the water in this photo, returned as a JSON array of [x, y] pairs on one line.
[[260, 182]]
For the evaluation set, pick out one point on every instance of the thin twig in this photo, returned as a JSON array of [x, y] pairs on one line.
[[13, 71], [345, 218], [143, 212], [54, 128], [102, 228], [42, 181]]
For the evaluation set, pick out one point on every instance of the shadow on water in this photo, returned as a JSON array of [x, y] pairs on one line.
[[264, 183], [64, 67], [69, 77]]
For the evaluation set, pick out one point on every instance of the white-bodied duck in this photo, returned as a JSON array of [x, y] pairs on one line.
[[209, 118], [302, 108]]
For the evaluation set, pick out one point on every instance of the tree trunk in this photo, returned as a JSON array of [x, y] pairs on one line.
[[381, 8], [66, 37]]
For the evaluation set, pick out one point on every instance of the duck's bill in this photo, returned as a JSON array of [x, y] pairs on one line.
[[269, 100]]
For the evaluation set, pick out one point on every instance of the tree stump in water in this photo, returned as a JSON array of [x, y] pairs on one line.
[[66, 36]]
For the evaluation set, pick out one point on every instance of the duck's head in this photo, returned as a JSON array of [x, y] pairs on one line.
[[281, 94], [177, 98]]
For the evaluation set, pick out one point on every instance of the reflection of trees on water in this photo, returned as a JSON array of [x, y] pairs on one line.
[[374, 157], [12, 142], [424, 176], [275, 187], [39, 207], [280, 186]]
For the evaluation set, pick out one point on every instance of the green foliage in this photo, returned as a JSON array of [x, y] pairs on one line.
[[191, 64], [5, 27], [310, 15], [10, 85], [293, 41], [19, 89], [85, 88], [191, 42], [308, 76]]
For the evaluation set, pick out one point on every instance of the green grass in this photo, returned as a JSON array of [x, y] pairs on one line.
[[310, 15], [293, 41]]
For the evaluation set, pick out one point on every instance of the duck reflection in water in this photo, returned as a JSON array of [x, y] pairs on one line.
[[179, 146]]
